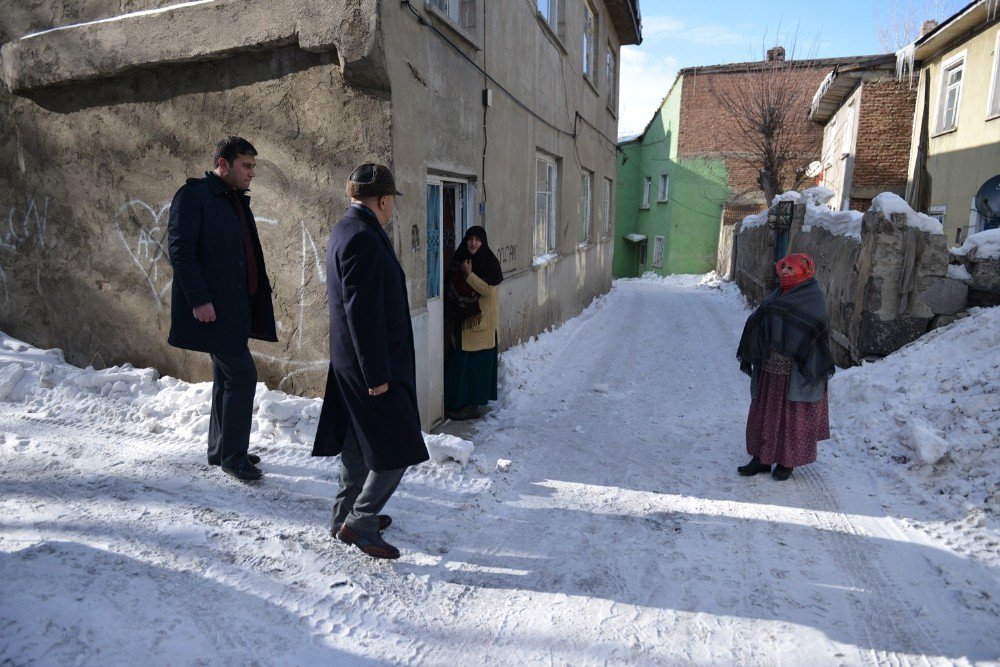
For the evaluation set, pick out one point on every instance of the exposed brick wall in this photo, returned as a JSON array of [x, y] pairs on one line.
[[884, 125], [860, 204], [707, 129]]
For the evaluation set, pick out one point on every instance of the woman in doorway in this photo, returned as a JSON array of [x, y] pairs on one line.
[[470, 377], [785, 350]]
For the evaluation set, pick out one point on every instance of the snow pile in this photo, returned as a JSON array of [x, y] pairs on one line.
[[444, 447], [984, 245], [958, 272], [888, 203], [933, 407], [55, 388]]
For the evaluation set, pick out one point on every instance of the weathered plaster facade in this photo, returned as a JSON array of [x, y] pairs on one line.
[[948, 162], [103, 122]]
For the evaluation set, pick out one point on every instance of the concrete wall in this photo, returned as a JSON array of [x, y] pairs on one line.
[[961, 160], [444, 133], [96, 146]]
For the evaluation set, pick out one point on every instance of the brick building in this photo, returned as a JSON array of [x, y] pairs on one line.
[[867, 118], [692, 167]]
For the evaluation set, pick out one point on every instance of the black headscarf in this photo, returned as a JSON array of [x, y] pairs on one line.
[[484, 263], [461, 301]]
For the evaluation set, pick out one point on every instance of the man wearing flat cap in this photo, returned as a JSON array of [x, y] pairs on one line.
[[369, 414]]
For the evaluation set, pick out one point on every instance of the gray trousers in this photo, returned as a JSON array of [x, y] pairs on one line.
[[363, 492]]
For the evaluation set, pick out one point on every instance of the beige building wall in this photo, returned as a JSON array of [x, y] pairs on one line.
[[960, 160]]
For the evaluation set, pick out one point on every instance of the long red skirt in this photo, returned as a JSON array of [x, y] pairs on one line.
[[783, 431]]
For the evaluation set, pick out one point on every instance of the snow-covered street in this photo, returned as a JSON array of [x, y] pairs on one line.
[[620, 534]]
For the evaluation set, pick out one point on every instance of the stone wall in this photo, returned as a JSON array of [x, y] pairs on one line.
[[882, 292]]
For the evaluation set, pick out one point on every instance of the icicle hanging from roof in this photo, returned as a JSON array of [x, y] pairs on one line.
[[904, 59], [992, 9]]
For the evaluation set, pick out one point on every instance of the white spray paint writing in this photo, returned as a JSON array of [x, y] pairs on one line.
[[20, 230], [140, 229]]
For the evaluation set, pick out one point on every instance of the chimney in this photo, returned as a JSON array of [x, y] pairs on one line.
[[927, 26], [777, 54]]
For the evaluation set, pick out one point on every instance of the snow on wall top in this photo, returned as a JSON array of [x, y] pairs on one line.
[[838, 223], [986, 244], [888, 203]]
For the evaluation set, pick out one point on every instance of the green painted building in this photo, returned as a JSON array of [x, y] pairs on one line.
[[668, 208]]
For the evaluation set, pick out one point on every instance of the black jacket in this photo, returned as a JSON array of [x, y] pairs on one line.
[[209, 261], [371, 343]]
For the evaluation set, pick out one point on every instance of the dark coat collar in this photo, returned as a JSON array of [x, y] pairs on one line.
[[219, 187]]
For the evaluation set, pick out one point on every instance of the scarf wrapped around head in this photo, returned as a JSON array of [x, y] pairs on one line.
[[461, 301], [802, 269], [794, 323]]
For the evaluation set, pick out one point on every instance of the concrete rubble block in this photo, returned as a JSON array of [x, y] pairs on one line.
[[191, 33], [985, 275], [883, 337], [933, 258], [942, 321], [944, 296]]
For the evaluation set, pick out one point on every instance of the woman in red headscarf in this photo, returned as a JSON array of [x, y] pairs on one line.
[[785, 350]]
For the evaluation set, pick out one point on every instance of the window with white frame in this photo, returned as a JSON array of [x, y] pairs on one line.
[[462, 12], [847, 139], [950, 95], [610, 67], [658, 252], [586, 204], [647, 185], [589, 41], [551, 11], [546, 183], [993, 110], [606, 221], [664, 187]]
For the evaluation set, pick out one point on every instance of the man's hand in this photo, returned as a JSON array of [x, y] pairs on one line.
[[204, 313], [379, 390]]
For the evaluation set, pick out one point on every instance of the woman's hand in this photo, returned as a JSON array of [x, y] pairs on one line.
[[467, 267]]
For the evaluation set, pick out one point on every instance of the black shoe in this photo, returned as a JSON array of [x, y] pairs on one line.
[[243, 470], [252, 458], [384, 521], [375, 547], [781, 473], [754, 467]]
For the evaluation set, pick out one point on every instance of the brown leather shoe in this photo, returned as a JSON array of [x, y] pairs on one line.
[[376, 548], [384, 521]]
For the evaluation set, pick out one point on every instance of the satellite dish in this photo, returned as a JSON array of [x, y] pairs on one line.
[[988, 198], [812, 171]]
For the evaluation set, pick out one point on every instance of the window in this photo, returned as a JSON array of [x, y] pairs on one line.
[[589, 41], [606, 221], [847, 139], [994, 101], [462, 12], [545, 204], [549, 9], [658, 252], [586, 204], [647, 185], [610, 65], [950, 94], [664, 187]]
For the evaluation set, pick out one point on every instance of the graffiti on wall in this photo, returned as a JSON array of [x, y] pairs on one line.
[[141, 230], [22, 227]]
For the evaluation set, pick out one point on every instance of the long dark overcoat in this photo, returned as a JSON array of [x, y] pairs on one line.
[[371, 344], [206, 251]]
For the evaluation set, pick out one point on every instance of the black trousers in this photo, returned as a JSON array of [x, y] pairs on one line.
[[234, 383]]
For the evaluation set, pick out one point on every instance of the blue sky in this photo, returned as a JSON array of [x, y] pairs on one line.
[[682, 33]]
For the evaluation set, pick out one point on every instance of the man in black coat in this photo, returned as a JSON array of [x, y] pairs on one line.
[[221, 296], [369, 412]]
